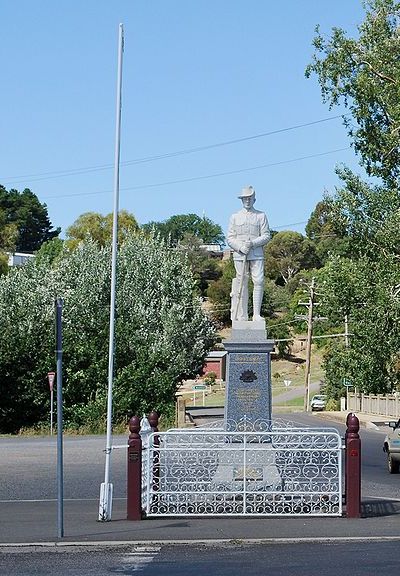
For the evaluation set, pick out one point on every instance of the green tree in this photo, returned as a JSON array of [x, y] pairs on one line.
[[100, 228], [162, 334], [176, 227], [50, 251], [24, 220], [323, 230], [287, 253], [364, 75], [204, 267]]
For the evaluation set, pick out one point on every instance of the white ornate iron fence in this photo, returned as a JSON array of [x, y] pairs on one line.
[[286, 471]]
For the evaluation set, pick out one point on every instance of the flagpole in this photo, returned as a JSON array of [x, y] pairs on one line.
[[106, 489]]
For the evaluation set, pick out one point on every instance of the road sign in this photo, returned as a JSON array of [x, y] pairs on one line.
[[50, 377], [347, 383], [287, 382], [199, 387]]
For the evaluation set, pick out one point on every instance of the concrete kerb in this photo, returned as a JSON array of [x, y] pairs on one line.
[[212, 543]]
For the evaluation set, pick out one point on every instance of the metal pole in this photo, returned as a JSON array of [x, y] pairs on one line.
[[51, 411], [105, 507], [308, 351], [60, 472]]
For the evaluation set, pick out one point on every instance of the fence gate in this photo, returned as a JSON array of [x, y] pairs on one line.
[[292, 472]]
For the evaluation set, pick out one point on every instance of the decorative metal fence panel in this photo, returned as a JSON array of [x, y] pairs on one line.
[[215, 472]]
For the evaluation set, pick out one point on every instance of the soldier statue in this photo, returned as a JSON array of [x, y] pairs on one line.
[[248, 233]]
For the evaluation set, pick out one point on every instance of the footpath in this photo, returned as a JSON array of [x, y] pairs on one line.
[[34, 523]]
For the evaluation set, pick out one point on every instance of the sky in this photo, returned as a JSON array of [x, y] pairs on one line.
[[196, 74]]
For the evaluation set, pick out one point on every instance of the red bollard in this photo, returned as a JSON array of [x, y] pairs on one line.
[[345, 468], [134, 487], [353, 467]]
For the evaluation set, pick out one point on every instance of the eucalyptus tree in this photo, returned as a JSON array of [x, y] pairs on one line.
[[363, 73]]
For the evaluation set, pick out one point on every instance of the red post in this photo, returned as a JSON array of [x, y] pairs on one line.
[[345, 468], [353, 467], [134, 488]]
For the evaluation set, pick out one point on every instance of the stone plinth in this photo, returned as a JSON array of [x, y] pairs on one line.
[[248, 382]]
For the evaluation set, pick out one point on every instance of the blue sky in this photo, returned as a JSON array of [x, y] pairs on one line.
[[195, 73]]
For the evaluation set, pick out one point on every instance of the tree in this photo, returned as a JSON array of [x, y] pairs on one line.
[[24, 220], [364, 75], [323, 230], [100, 228], [176, 227], [50, 251], [162, 334], [368, 292], [287, 253], [204, 267]]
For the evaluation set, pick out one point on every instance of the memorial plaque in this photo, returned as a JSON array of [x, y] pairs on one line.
[[248, 392]]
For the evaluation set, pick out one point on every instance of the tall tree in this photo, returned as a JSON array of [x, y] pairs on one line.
[[364, 75], [24, 212], [324, 230], [175, 228], [287, 253], [99, 228], [364, 285]]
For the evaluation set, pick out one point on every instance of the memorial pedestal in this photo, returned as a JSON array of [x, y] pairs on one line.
[[248, 403], [249, 460]]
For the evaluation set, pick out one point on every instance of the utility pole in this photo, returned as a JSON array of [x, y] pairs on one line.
[[310, 305]]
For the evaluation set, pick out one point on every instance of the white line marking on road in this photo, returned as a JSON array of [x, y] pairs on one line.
[[136, 560]]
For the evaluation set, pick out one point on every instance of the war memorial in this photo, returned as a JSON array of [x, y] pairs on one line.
[[251, 464]]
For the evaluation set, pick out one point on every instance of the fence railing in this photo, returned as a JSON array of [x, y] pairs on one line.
[[380, 404]]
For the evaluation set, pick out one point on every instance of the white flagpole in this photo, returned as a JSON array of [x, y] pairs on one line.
[[106, 489]]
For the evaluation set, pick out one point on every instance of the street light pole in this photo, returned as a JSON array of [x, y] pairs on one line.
[[106, 489]]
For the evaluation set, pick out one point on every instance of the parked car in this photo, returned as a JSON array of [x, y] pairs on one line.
[[318, 402], [391, 446]]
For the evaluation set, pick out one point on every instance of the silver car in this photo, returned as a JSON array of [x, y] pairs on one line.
[[391, 446], [318, 402]]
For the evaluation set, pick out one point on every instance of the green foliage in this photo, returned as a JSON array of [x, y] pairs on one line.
[[287, 253], [24, 221], [210, 378], [162, 335], [3, 263], [204, 267], [364, 75], [332, 405], [219, 293], [323, 230], [100, 228], [49, 251], [175, 228], [278, 329]]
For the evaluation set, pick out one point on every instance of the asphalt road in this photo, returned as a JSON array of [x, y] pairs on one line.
[[28, 465], [366, 558]]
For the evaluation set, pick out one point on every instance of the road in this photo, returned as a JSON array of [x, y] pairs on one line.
[[28, 465], [365, 558]]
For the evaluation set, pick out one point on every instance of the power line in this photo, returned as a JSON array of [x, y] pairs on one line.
[[77, 171], [205, 177]]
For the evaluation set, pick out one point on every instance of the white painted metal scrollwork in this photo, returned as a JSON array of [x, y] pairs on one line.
[[282, 471]]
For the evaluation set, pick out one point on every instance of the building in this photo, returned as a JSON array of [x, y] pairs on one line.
[[19, 258], [216, 362]]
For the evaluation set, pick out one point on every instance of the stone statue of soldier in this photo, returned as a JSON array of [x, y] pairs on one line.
[[248, 233]]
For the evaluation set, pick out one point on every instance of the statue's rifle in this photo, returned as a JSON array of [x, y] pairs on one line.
[[240, 287]]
